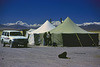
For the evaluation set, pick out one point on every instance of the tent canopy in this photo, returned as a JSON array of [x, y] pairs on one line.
[[47, 26], [28, 32], [68, 26]]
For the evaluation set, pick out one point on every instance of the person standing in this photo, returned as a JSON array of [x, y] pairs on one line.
[[49, 39], [45, 38]]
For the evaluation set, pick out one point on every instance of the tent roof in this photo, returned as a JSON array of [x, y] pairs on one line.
[[31, 30], [47, 26], [68, 26]]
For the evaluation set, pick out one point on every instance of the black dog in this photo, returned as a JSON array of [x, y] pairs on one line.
[[63, 55]]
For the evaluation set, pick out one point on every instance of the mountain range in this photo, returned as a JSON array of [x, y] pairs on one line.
[[89, 26]]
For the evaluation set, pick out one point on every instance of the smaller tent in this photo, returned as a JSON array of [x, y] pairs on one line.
[[28, 32], [35, 38]]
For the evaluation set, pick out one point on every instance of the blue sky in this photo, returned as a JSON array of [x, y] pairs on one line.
[[38, 11]]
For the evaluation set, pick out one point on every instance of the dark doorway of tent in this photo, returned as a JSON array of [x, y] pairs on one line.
[[37, 39]]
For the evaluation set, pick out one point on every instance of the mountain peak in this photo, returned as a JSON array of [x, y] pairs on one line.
[[21, 23], [17, 23]]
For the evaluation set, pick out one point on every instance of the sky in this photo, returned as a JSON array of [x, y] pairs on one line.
[[38, 11]]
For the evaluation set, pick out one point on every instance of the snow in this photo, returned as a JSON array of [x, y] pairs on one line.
[[89, 23], [55, 23]]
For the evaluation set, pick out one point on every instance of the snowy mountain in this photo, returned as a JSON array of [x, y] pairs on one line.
[[90, 26], [55, 23], [17, 23], [89, 23]]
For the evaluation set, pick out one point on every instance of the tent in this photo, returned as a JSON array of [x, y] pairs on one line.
[[28, 32], [35, 36], [69, 34]]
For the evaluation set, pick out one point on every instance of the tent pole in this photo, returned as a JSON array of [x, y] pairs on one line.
[[79, 40], [91, 39]]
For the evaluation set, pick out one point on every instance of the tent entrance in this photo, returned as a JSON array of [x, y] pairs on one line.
[[36, 39]]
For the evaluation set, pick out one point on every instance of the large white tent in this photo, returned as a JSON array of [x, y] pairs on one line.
[[47, 26]]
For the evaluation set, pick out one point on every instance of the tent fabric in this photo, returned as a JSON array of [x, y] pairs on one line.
[[82, 39], [47, 26], [28, 32], [68, 33], [68, 26], [57, 38]]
